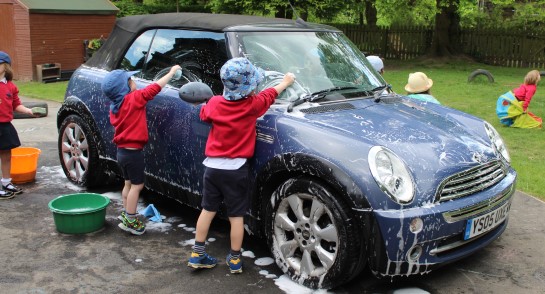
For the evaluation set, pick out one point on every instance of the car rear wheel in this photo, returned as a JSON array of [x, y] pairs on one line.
[[311, 235], [78, 152]]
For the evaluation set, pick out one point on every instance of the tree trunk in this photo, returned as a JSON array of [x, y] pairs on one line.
[[447, 29], [303, 14], [370, 13], [283, 12]]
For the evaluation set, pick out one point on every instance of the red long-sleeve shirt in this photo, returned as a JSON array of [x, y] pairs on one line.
[[9, 100], [233, 131], [525, 93], [131, 127]]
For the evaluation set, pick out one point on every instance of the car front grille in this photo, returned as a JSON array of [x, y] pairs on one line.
[[471, 181]]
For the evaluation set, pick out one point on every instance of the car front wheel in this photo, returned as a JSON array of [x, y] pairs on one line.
[[312, 237], [78, 152]]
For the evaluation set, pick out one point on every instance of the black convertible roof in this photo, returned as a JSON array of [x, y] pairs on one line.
[[215, 22], [128, 28]]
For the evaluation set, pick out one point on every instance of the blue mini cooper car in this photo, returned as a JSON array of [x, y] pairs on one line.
[[346, 174]]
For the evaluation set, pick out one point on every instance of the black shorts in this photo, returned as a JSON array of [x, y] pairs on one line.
[[8, 136], [229, 187], [132, 165]]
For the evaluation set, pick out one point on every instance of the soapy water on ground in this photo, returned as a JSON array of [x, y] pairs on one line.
[[54, 176]]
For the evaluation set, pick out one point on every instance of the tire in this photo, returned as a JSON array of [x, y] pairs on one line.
[[478, 72], [78, 153], [318, 245], [30, 105]]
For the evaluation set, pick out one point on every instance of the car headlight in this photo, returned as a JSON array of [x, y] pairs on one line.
[[497, 141], [391, 174]]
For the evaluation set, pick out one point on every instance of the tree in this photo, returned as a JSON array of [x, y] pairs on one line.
[[370, 13], [447, 29]]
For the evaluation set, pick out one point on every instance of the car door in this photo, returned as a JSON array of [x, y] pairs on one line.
[[177, 137]]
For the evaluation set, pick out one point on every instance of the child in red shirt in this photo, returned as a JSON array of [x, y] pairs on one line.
[[9, 102], [230, 144], [128, 116], [526, 91]]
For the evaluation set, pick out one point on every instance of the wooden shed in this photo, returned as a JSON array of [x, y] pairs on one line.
[[50, 33]]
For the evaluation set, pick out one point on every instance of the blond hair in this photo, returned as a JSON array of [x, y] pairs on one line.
[[8, 71], [532, 77]]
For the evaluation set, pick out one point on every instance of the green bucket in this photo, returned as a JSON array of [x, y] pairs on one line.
[[79, 213]]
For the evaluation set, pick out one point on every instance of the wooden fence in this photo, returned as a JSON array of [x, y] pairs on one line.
[[497, 47]]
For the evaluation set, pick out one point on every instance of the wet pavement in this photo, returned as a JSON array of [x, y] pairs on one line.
[[35, 258]]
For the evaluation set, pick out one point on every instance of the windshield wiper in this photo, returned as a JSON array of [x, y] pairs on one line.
[[379, 90], [322, 93], [316, 96]]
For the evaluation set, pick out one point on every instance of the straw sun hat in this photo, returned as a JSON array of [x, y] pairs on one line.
[[418, 82]]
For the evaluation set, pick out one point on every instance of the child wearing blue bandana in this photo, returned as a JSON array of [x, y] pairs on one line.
[[128, 116]]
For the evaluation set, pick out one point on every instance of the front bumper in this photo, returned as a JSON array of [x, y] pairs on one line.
[[441, 239]]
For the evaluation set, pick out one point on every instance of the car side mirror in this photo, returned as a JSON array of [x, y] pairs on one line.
[[195, 92]]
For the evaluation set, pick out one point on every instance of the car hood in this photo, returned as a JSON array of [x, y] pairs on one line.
[[434, 141]]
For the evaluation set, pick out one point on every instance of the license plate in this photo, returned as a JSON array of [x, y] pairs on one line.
[[484, 223]]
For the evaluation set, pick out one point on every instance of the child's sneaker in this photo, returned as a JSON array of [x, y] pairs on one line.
[[122, 216], [12, 188], [6, 195], [135, 227], [234, 263], [201, 261]]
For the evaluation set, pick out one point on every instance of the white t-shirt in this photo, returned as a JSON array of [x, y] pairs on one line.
[[224, 163]]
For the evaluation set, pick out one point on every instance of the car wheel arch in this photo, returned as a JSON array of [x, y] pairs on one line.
[[289, 165], [73, 106]]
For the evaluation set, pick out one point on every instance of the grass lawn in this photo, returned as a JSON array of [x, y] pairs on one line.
[[450, 87], [50, 91]]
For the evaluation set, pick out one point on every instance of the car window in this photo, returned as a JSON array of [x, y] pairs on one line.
[[319, 60], [135, 56], [200, 54]]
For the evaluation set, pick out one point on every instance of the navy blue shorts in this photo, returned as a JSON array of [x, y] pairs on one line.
[[229, 187], [132, 165], [8, 136]]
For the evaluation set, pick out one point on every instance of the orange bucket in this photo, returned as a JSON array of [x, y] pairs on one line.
[[24, 161]]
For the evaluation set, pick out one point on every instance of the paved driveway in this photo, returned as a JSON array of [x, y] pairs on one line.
[[35, 258]]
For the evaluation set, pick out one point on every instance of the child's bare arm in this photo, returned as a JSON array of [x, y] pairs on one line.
[[289, 78], [23, 109], [166, 78]]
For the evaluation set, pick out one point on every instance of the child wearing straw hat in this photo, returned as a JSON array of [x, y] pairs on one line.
[[419, 86]]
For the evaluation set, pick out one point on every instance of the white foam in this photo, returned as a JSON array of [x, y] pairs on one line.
[[267, 275], [189, 242], [411, 290], [264, 261], [249, 254], [54, 176], [172, 219], [115, 196], [162, 227], [290, 287]]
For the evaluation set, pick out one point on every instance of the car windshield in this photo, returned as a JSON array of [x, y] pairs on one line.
[[321, 61]]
